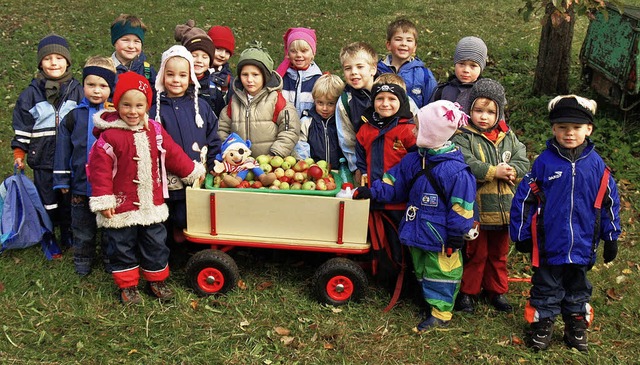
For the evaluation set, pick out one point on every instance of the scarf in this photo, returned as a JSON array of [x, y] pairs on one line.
[[53, 87]]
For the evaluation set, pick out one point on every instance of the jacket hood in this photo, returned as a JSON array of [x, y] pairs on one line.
[[109, 119]]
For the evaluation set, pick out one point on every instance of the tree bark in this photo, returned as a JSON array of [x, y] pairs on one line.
[[554, 54]]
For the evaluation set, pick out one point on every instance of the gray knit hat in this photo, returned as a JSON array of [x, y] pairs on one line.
[[490, 89], [471, 49], [256, 55], [53, 43]]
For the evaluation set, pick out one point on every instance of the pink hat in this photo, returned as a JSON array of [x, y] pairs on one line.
[[438, 121], [293, 34], [222, 37]]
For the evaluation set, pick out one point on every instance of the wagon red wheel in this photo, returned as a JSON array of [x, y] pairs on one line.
[[339, 281], [339, 288], [211, 272]]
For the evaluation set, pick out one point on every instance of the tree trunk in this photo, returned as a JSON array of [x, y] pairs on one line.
[[554, 54]]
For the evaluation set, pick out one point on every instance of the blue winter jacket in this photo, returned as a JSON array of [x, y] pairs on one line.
[[429, 222], [419, 79], [211, 94], [454, 91], [320, 138], [75, 138], [138, 66], [297, 86], [566, 232], [35, 121]]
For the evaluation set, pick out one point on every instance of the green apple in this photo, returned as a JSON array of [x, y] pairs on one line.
[[309, 185], [322, 163], [250, 176], [286, 165], [276, 161], [263, 159], [284, 186], [291, 160], [295, 186], [266, 168], [279, 172], [309, 161]]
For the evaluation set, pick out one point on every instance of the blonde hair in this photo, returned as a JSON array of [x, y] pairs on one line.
[[391, 78], [362, 49], [588, 104], [300, 45], [329, 86], [100, 61], [402, 24], [132, 19]]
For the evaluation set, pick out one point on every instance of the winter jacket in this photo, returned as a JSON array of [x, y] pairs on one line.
[[453, 90], [211, 94], [568, 218], [349, 120], [139, 66], [254, 120], [418, 78], [222, 79], [74, 141], [430, 222], [35, 121], [127, 171], [319, 138], [297, 86], [493, 200]]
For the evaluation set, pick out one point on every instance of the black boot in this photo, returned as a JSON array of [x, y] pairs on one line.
[[500, 303], [464, 303], [542, 331], [575, 331]]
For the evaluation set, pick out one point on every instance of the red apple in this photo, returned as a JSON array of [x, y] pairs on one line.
[[256, 185], [300, 166], [315, 172]]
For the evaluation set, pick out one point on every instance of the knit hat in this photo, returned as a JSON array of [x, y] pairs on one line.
[[107, 75], [53, 43], [195, 39], [293, 34], [233, 142], [490, 89], [222, 37], [257, 56], [132, 81], [404, 111], [471, 49], [571, 109], [119, 30], [178, 51], [438, 121]]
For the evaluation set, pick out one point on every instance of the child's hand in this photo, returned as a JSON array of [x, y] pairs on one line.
[[108, 213], [64, 191], [505, 172], [19, 163]]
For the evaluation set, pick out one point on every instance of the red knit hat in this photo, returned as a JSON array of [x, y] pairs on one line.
[[222, 37], [132, 81]]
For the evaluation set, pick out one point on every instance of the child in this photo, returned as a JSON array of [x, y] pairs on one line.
[[127, 37], [497, 159], [196, 41], [51, 95], [440, 190], [318, 134], [257, 94], [573, 200], [298, 70], [73, 143], [359, 66], [470, 58], [402, 39], [189, 121], [127, 171], [225, 45]]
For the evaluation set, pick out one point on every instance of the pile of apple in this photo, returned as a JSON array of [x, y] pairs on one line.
[[291, 174]]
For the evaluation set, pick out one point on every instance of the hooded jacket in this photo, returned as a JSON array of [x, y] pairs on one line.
[[297, 86], [418, 78]]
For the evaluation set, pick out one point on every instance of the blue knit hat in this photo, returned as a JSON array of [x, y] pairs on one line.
[[233, 141], [53, 43], [120, 29]]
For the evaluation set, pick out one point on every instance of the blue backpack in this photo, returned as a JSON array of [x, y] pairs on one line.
[[24, 222]]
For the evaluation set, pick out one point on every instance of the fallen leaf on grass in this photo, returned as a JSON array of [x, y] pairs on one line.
[[611, 294], [132, 351], [282, 331], [620, 279], [267, 362], [1, 287], [327, 346], [336, 310], [264, 285], [313, 326], [244, 324], [516, 340], [194, 304], [286, 340], [624, 271], [242, 285], [16, 260]]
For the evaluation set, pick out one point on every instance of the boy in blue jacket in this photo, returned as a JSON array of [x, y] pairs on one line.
[[75, 138], [440, 190], [562, 208]]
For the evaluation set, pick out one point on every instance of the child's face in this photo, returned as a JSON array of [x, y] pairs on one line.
[[128, 47], [386, 104], [176, 76], [96, 89], [221, 57], [467, 71], [54, 65], [252, 79], [200, 62], [300, 56], [358, 72], [132, 107], [402, 45], [325, 107], [571, 135], [484, 113]]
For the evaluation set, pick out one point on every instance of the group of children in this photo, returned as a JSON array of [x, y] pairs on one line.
[[439, 162]]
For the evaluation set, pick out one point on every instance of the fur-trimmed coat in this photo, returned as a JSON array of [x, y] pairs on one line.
[[126, 171]]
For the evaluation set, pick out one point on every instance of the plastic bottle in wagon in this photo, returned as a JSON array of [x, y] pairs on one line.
[[346, 192]]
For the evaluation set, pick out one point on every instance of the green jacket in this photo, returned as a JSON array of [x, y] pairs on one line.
[[493, 196]]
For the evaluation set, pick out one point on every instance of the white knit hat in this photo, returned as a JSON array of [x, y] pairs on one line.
[[178, 51]]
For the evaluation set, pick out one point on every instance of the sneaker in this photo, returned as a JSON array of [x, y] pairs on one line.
[[130, 295], [429, 324], [464, 303], [575, 332], [160, 290], [500, 303], [542, 331]]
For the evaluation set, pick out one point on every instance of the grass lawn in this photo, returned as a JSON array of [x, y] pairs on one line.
[[49, 315]]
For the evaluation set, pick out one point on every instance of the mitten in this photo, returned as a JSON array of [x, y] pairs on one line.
[[455, 243], [525, 246], [610, 251], [362, 192]]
